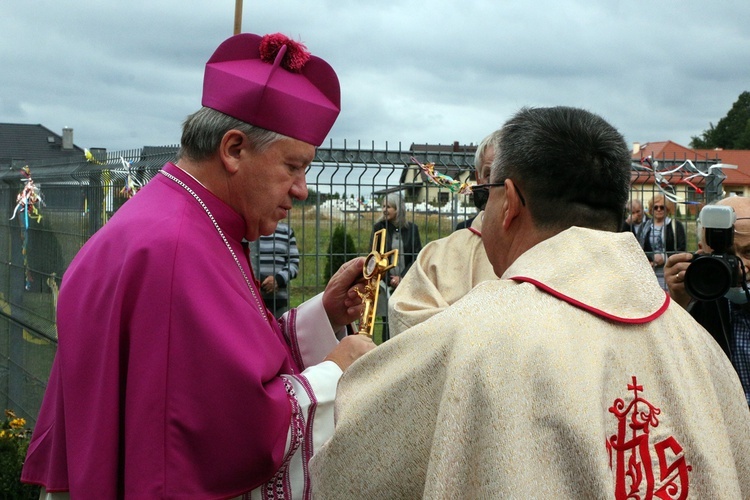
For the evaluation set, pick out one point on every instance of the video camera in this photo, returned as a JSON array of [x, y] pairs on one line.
[[710, 276]]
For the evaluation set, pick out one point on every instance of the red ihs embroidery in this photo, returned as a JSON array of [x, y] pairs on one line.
[[634, 474]]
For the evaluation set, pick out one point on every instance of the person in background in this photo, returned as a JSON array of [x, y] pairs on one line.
[[572, 376], [446, 269], [482, 161], [635, 220], [171, 378], [400, 234], [661, 234], [276, 263], [727, 318]]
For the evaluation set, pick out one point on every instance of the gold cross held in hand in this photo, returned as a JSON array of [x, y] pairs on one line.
[[375, 266]]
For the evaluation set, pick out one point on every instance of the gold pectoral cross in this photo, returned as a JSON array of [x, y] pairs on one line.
[[376, 264]]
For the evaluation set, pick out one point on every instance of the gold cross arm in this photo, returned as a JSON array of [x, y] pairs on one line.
[[376, 264]]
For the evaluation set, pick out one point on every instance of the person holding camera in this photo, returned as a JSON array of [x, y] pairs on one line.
[[661, 234], [726, 318]]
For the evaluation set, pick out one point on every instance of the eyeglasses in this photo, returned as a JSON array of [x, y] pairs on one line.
[[659, 207], [486, 188], [745, 231]]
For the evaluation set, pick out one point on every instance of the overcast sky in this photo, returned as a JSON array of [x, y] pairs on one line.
[[124, 74]]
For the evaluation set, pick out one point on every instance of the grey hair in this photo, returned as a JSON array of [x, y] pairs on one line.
[[397, 200], [481, 149], [490, 140], [203, 130], [633, 201]]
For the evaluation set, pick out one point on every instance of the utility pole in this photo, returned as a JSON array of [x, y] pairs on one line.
[[237, 17]]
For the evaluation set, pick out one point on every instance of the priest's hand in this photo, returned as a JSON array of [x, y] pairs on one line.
[[350, 349], [674, 277], [341, 301]]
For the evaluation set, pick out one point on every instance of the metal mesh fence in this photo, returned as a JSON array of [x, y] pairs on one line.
[[345, 188]]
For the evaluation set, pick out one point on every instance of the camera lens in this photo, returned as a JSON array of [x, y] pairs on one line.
[[709, 277]]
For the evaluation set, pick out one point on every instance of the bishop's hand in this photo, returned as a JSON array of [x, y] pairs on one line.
[[341, 301]]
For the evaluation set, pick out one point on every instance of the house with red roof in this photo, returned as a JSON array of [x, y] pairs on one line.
[[737, 180]]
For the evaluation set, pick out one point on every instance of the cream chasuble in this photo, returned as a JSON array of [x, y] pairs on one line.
[[572, 377], [445, 270]]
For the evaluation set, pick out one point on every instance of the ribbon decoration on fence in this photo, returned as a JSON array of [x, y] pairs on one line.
[[442, 179], [29, 197], [687, 167], [91, 158], [27, 202], [131, 185]]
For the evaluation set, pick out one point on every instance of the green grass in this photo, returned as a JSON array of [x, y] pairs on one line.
[[313, 232]]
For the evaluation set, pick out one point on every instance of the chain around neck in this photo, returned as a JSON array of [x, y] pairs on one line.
[[221, 233]]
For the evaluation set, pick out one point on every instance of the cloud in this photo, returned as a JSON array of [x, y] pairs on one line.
[[124, 75]]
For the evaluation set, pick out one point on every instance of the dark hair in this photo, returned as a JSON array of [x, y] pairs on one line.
[[571, 165]]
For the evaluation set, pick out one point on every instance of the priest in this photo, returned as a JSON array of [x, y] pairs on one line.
[[446, 269], [172, 379], [571, 376]]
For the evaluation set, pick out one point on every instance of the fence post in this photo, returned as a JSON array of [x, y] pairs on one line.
[[714, 189], [17, 278], [95, 196]]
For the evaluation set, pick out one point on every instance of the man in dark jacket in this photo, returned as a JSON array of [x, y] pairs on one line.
[[635, 220]]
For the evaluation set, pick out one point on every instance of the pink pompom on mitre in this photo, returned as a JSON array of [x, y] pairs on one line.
[[296, 54]]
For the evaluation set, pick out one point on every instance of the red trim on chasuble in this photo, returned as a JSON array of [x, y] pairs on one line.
[[288, 325], [476, 231], [594, 310], [632, 458]]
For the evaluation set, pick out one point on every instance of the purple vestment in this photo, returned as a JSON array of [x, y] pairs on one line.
[[168, 378]]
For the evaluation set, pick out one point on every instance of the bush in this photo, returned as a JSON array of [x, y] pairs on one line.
[[14, 441], [341, 248]]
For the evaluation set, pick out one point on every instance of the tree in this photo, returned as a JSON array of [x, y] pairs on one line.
[[341, 248], [312, 198], [732, 131]]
